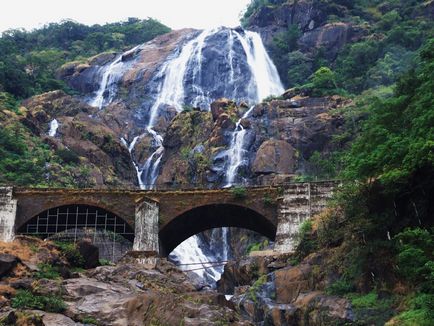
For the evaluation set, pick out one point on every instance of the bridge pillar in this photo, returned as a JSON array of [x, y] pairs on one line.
[[8, 209], [299, 203], [293, 210], [146, 227]]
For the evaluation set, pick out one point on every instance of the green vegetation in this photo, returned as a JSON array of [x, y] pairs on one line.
[[393, 33], [26, 300], [30, 59], [239, 192], [89, 320], [22, 161], [256, 287], [47, 271], [257, 246], [26, 161], [70, 252], [105, 262], [420, 311], [380, 229]]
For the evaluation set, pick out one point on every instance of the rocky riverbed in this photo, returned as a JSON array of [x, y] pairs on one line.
[[39, 286]]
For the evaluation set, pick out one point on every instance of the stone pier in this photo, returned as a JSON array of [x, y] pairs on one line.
[[8, 209], [299, 203]]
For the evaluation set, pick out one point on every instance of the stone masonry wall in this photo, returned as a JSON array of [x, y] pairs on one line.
[[299, 203], [8, 209]]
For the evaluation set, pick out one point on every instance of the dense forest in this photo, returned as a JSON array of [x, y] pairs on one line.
[[379, 232], [29, 60]]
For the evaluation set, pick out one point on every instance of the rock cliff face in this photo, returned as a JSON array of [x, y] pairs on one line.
[[321, 27], [280, 136], [270, 291]]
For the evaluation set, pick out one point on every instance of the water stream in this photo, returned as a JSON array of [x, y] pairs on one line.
[[54, 125], [111, 74]]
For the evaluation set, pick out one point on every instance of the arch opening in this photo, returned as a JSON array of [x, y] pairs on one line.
[[202, 218], [71, 223]]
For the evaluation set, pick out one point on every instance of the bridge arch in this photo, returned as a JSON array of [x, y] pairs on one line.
[[205, 217], [76, 216]]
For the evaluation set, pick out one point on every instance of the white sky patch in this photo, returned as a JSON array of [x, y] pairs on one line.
[[30, 14]]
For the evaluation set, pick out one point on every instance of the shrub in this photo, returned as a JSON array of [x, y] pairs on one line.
[[416, 258], [68, 156], [268, 200], [89, 320], [239, 192], [24, 299], [47, 271], [257, 246], [340, 287], [105, 262], [421, 311], [71, 253]]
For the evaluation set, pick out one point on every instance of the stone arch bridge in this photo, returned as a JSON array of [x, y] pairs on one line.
[[159, 220]]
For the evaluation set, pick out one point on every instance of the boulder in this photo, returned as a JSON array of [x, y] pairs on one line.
[[46, 287], [274, 156], [89, 252], [290, 282], [51, 319], [7, 264], [220, 106], [245, 123], [317, 308]]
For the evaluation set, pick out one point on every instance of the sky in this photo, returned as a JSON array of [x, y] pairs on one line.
[[176, 14]]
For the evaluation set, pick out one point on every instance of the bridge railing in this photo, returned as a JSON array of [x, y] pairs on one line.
[[190, 187]]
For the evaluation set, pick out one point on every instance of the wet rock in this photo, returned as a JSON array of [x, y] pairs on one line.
[[7, 264], [89, 252], [274, 156], [245, 123]]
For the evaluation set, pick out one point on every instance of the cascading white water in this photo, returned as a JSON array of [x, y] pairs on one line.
[[265, 78], [54, 125], [267, 82], [191, 257], [190, 64], [111, 74], [171, 93], [236, 151]]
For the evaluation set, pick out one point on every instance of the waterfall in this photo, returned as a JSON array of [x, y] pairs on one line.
[[189, 252], [267, 82], [210, 65], [111, 74], [265, 78], [171, 93], [236, 151], [54, 125]]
